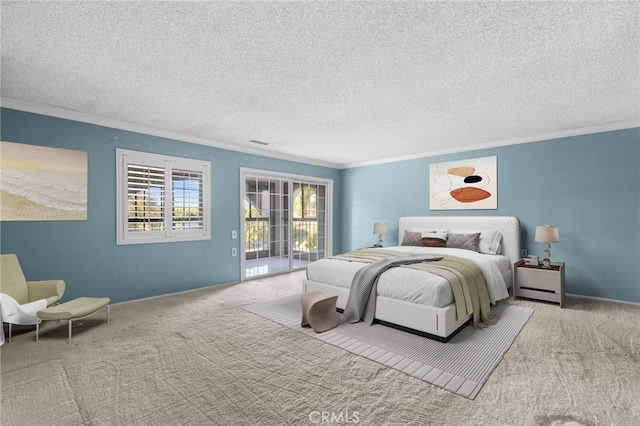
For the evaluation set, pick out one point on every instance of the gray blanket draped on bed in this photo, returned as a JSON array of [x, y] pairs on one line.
[[362, 294]]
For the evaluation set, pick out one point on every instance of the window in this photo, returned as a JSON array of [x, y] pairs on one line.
[[161, 198]]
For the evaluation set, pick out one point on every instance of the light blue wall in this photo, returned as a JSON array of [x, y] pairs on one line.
[[85, 254], [587, 185]]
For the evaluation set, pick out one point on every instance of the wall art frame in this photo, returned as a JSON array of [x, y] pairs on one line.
[[39, 183], [464, 184]]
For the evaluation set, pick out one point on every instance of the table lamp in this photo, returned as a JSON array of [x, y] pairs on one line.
[[380, 229], [547, 234]]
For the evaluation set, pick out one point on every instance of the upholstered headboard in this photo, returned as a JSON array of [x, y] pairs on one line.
[[508, 226]]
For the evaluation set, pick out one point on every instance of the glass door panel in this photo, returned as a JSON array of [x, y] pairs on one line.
[[285, 224]]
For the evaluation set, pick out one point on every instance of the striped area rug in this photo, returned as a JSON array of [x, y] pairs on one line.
[[462, 365]]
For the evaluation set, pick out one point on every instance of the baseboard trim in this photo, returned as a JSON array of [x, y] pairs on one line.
[[603, 299], [191, 290], [159, 296]]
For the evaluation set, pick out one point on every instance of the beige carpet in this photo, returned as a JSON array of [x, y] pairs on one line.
[[461, 366], [200, 359]]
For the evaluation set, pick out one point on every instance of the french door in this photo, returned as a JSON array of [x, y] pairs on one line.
[[286, 221]]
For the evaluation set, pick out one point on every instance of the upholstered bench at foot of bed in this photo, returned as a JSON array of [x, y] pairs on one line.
[[74, 310]]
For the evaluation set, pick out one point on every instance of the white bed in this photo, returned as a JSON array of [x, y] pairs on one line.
[[416, 300]]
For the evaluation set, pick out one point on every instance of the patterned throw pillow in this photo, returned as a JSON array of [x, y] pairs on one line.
[[411, 238], [490, 239], [464, 241]]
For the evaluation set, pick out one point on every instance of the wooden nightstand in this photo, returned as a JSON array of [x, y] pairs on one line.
[[536, 282]]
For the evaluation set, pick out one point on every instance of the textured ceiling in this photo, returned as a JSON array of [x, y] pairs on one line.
[[333, 82]]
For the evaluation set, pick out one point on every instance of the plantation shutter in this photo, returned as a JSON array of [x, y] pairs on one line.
[[188, 199], [161, 198], [146, 198]]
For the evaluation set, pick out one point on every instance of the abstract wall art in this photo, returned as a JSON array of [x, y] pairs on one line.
[[42, 183], [464, 185]]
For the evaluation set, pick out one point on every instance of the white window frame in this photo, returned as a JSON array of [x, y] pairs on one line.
[[124, 236]]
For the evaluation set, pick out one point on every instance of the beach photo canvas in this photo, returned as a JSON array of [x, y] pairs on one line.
[[42, 183]]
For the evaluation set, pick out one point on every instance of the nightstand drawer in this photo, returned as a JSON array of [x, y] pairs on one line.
[[538, 279], [547, 296]]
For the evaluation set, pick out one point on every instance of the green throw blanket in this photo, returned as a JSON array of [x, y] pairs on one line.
[[467, 283]]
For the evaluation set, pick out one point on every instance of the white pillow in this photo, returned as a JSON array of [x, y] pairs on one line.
[[431, 233], [490, 239]]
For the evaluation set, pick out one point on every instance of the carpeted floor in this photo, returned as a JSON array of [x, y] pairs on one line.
[[462, 365], [199, 358]]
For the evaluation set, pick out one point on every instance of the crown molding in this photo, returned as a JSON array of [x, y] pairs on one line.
[[137, 128], [152, 131], [600, 128]]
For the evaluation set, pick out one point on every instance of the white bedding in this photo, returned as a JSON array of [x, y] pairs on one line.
[[413, 285]]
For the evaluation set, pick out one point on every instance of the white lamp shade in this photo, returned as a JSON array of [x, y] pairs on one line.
[[380, 228], [547, 234]]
